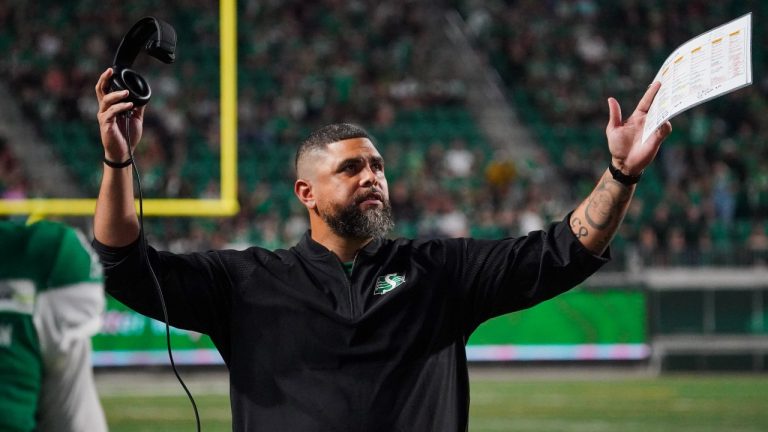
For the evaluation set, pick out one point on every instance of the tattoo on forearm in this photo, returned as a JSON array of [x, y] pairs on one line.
[[605, 203], [578, 229]]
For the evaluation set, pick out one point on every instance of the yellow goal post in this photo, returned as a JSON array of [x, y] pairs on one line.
[[226, 204]]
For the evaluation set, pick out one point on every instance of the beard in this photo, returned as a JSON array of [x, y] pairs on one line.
[[352, 222]]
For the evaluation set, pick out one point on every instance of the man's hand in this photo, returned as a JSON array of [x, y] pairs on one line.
[[115, 222], [113, 125], [596, 219], [630, 155]]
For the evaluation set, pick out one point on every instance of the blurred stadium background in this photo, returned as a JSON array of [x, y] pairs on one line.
[[491, 117]]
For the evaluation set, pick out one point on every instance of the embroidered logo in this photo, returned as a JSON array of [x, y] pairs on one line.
[[387, 283]]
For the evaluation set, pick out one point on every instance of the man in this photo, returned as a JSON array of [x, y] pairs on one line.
[[350, 331], [51, 300]]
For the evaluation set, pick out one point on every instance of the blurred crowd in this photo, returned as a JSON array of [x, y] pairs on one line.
[[13, 178], [706, 198], [302, 65]]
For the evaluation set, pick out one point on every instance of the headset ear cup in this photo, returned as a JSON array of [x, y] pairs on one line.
[[158, 39], [138, 88]]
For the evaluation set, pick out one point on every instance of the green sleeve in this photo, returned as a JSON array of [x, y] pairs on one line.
[[74, 262]]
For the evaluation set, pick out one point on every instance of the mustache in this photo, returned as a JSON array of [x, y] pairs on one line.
[[371, 193]]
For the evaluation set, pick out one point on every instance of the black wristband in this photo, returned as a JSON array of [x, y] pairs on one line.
[[111, 164], [627, 180]]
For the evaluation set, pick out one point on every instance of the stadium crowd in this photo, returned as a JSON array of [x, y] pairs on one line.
[[302, 65], [13, 179], [706, 201]]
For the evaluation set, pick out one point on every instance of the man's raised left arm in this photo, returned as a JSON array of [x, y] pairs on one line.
[[596, 219]]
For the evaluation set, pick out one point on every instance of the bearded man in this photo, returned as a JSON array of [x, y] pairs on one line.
[[349, 330]]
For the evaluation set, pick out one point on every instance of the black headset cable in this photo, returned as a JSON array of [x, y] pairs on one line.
[[145, 251]]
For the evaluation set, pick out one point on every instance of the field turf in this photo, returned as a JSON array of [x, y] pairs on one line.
[[510, 402]]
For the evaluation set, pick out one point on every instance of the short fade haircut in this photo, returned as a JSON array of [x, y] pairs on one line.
[[328, 134]]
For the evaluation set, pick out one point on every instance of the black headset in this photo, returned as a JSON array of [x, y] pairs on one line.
[[158, 39]]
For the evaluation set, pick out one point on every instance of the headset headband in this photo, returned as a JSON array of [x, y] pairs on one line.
[[156, 36]]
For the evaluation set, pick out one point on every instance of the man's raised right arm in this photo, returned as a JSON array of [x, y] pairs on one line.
[[115, 222]]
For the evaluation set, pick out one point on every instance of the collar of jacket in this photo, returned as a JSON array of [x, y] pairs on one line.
[[312, 249]]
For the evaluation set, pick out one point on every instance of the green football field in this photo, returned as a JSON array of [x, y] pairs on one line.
[[510, 402]]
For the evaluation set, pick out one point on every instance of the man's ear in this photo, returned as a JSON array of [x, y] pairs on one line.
[[303, 190]]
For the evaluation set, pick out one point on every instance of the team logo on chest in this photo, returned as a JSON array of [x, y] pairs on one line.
[[387, 283]]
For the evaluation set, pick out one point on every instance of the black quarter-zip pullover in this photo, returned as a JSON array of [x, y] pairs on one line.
[[312, 349]]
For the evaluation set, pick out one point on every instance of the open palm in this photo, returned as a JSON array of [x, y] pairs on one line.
[[629, 154]]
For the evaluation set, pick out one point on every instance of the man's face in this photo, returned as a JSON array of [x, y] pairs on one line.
[[350, 188]]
